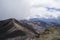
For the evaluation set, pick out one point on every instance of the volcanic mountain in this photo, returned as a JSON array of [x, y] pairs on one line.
[[11, 29]]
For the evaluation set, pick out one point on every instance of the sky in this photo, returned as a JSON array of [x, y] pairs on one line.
[[21, 9]]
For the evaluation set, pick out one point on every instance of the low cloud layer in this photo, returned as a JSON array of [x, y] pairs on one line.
[[21, 9], [14, 9]]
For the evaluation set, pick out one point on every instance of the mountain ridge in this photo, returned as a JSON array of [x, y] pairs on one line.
[[12, 29], [10, 26]]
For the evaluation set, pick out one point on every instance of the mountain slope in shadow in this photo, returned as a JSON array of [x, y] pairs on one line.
[[11, 29]]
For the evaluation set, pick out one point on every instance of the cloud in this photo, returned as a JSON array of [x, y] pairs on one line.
[[21, 9], [53, 9], [46, 8], [18, 9]]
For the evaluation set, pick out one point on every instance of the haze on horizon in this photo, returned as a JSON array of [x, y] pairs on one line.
[[21, 9]]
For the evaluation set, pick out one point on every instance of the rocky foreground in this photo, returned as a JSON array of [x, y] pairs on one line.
[[11, 29]]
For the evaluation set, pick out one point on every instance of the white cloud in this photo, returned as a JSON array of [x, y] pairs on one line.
[[18, 9], [28, 8], [39, 8]]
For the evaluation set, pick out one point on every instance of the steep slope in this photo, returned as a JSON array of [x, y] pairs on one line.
[[38, 28], [11, 29], [51, 33]]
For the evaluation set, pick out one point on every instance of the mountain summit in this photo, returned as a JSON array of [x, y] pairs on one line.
[[13, 29]]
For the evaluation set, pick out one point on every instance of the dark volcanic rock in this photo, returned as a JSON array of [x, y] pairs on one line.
[[11, 29]]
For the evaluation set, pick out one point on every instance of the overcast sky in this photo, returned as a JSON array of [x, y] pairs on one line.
[[21, 9]]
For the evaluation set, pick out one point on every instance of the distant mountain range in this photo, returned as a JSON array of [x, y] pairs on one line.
[[55, 22]]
